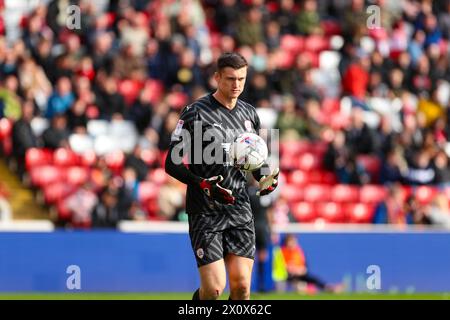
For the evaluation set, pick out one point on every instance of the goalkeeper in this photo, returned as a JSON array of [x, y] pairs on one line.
[[221, 225]]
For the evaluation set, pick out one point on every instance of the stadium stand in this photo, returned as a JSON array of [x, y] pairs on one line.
[[362, 111]]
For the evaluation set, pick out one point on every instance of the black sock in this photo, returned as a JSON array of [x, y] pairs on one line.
[[196, 295]]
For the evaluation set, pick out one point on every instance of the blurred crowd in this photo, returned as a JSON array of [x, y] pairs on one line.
[[319, 71]]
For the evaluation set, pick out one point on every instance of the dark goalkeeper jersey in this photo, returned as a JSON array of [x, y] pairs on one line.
[[205, 130]]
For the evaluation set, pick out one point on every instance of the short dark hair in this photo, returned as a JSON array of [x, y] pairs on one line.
[[231, 59]]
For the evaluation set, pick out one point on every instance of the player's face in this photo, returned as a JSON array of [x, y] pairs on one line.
[[230, 82]]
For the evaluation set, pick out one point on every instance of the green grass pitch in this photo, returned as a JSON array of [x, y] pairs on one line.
[[255, 296]]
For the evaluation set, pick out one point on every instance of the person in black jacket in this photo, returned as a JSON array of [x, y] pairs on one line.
[[23, 136], [57, 135]]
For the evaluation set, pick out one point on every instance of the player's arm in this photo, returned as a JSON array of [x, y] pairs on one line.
[[268, 181], [180, 171], [210, 186]]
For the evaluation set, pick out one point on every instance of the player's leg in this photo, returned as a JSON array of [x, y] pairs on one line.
[[212, 280], [239, 275], [239, 250], [206, 241]]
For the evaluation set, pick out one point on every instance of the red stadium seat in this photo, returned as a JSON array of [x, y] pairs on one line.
[[372, 194], [149, 156], [407, 191], [315, 177], [359, 212], [309, 161], [292, 43], [177, 100], [317, 193], [371, 163], [7, 145], [5, 128], [425, 194], [331, 27], [88, 159], [286, 59], [318, 148], [330, 105], [158, 176], [328, 177], [115, 161], [64, 214], [64, 157], [294, 147], [45, 175], [146, 191], [288, 162], [292, 193], [77, 175], [345, 193], [338, 120], [304, 212], [57, 191], [130, 90], [330, 212], [299, 178], [152, 207], [316, 43], [154, 89], [35, 157]]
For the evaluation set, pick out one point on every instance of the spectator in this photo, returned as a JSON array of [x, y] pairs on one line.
[[23, 137], [9, 100], [285, 17], [32, 79], [250, 29], [134, 160], [110, 102], [61, 100], [440, 163], [439, 212], [359, 136], [290, 122], [444, 21], [393, 168], [421, 171], [297, 268], [57, 135], [171, 200], [128, 192], [308, 20], [76, 117], [227, 17], [356, 77], [81, 204], [107, 213]]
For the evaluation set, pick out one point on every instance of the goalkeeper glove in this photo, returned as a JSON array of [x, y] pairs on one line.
[[216, 192], [268, 183]]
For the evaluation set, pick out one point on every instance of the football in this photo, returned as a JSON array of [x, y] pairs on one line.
[[248, 151]]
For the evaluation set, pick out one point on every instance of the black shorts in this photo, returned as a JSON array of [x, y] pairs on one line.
[[213, 236]]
